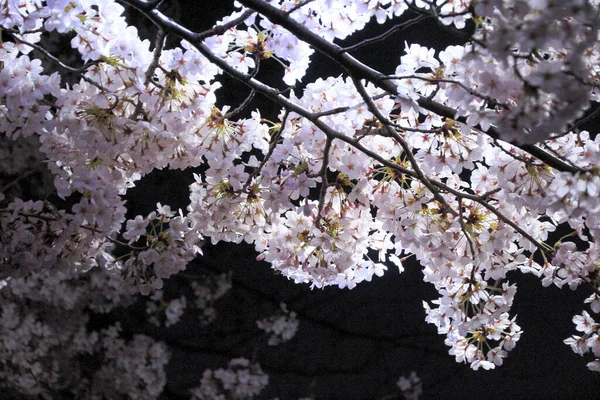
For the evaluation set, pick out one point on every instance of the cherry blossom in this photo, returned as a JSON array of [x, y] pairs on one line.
[[241, 380], [281, 328], [410, 387]]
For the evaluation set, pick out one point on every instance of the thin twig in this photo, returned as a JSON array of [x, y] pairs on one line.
[[463, 226], [489, 100], [495, 211], [241, 107], [299, 6], [384, 35], [18, 178], [324, 181], [60, 64], [274, 141]]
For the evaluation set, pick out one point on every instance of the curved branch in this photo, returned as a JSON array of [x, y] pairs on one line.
[[275, 95], [385, 34], [148, 7], [334, 52], [362, 71]]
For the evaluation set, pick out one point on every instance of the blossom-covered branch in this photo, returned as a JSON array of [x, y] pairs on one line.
[[460, 159]]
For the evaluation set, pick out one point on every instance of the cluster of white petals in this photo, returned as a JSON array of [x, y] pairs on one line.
[[161, 311], [589, 341], [280, 327], [207, 291], [132, 369], [46, 346], [240, 380]]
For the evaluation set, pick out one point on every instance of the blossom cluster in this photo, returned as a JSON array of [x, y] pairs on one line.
[[589, 341], [133, 368], [47, 348], [240, 380], [410, 387], [162, 312], [281, 328], [167, 310], [207, 291], [162, 245]]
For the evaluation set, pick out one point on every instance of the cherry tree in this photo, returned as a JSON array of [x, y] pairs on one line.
[[467, 159]]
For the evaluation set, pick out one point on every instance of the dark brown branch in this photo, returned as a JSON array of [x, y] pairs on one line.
[[159, 43], [147, 7]]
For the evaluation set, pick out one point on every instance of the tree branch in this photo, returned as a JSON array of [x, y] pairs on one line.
[[385, 34], [362, 71]]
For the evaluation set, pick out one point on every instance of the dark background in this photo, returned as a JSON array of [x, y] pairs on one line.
[[353, 344]]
